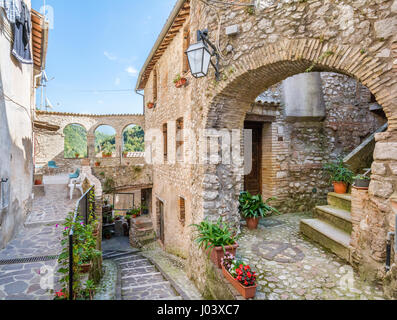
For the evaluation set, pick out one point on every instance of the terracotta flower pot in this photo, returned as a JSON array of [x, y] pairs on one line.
[[252, 223], [38, 182], [97, 164], [217, 254], [150, 105], [85, 268], [340, 187], [180, 83], [246, 292]]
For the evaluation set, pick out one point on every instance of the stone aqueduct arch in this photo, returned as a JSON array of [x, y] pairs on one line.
[[90, 123]]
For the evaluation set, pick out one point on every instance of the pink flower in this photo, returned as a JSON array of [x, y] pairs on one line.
[[57, 225]]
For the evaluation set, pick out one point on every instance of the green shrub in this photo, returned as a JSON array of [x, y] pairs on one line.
[[254, 207], [337, 172], [210, 235]]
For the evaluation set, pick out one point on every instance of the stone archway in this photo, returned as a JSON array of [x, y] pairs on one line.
[[268, 65]]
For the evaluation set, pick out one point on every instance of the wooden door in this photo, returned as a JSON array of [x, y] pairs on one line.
[[253, 181]]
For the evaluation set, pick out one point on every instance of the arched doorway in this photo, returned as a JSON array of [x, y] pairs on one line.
[[249, 77]]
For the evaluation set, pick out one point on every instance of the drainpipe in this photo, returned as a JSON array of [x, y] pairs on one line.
[[388, 247], [143, 96]]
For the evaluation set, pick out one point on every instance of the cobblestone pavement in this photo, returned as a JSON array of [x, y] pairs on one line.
[[52, 207], [40, 237], [292, 268]]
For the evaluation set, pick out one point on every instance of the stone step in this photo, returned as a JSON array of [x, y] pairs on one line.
[[143, 279], [114, 255], [338, 217], [154, 291], [128, 258], [340, 201], [328, 236], [147, 223], [135, 264]]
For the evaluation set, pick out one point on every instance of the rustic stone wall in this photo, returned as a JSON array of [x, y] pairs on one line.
[[294, 151], [284, 39], [49, 145]]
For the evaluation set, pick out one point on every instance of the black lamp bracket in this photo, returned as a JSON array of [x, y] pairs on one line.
[[202, 35]]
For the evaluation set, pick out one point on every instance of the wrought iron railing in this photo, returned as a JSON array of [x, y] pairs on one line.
[[85, 210]]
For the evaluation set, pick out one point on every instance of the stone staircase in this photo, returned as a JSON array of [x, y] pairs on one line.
[[140, 279], [332, 225], [142, 231]]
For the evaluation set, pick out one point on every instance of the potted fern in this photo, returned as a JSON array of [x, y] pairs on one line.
[[252, 208], [216, 239], [340, 176]]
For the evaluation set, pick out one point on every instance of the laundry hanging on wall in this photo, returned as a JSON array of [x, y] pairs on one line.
[[19, 16], [12, 9], [22, 34]]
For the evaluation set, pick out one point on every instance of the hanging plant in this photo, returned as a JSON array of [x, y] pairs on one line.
[[179, 81]]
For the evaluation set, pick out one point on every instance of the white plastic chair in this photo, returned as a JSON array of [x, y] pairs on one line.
[[76, 183]]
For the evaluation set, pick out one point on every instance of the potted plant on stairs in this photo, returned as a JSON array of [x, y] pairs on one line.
[[216, 239], [252, 208], [340, 175]]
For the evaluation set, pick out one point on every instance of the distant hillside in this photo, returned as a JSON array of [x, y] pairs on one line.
[[75, 141]]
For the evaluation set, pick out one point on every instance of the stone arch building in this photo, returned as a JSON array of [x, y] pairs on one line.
[[273, 42], [49, 144]]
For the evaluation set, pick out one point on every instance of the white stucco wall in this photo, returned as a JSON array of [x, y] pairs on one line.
[[16, 164]]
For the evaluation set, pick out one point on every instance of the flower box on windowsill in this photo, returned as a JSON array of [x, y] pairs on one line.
[[246, 292]]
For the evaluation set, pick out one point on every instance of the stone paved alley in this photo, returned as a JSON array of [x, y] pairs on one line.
[[39, 238], [292, 268]]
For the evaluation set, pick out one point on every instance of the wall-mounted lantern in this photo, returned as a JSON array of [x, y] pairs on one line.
[[199, 55]]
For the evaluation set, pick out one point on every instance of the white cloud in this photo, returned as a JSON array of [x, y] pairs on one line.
[[131, 71], [110, 56]]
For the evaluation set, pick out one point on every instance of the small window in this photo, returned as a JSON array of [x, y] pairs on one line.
[[182, 211], [155, 85], [165, 141], [179, 140], [186, 44]]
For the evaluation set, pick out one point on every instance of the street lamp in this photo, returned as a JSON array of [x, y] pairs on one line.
[[199, 56]]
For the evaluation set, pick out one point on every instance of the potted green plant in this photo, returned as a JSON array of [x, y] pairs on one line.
[[97, 164], [340, 175], [240, 275], [252, 208], [179, 81], [216, 239], [107, 154], [362, 182], [77, 155], [125, 154]]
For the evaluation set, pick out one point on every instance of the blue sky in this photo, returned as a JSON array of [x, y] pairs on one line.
[[100, 45]]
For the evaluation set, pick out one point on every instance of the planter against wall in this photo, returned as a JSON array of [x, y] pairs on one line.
[[252, 223], [180, 83], [217, 254], [340, 187], [85, 268], [361, 183], [246, 292]]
